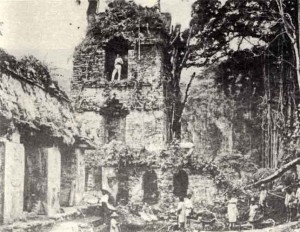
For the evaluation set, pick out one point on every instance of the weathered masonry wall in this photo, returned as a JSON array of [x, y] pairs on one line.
[[32, 108], [43, 174], [142, 94], [89, 69], [34, 124], [73, 177], [146, 129], [202, 187], [12, 166], [138, 129]]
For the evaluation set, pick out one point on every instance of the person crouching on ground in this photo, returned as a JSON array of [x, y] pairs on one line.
[[114, 224], [232, 211]]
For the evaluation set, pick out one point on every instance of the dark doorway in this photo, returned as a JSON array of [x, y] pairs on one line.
[[180, 183], [116, 46], [98, 178], [123, 190], [150, 187]]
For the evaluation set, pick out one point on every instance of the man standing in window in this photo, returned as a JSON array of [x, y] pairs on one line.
[[118, 68]]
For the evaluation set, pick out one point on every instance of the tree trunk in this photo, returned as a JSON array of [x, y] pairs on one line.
[[276, 174], [291, 31]]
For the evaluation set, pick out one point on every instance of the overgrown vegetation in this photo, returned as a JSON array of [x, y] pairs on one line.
[[127, 19], [252, 46], [32, 70]]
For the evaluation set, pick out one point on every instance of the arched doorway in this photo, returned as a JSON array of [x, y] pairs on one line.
[[150, 187], [116, 46], [180, 183]]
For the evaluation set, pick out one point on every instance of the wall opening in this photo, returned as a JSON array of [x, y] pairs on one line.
[[150, 187], [116, 46], [35, 180], [180, 183], [123, 188], [98, 178], [115, 129]]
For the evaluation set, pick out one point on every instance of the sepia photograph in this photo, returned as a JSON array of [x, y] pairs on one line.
[[149, 115]]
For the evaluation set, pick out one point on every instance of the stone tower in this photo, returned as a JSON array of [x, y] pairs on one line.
[[131, 109]]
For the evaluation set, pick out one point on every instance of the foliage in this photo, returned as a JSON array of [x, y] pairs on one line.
[[127, 19], [253, 42], [117, 154], [252, 22], [32, 70]]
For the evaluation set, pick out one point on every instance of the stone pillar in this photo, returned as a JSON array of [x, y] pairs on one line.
[[12, 164], [110, 181], [165, 188], [53, 180], [73, 177], [42, 181]]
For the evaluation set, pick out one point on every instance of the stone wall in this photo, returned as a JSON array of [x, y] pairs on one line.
[[203, 189], [72, 177], [142, 94], [35, 120], [146, 129], [89, 65], [31, 107], [11, 181], [42, 180], [53, 180], [139, 129]]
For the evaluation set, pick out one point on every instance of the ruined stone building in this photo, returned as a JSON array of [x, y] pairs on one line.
[[133, 109], [118, 97], [40, 145]]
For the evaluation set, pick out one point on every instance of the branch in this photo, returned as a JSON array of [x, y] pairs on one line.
[[276, 174], [187, 89], [284, 60], [187, 52], [186, 94]]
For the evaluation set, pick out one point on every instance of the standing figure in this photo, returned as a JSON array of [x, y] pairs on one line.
[[232, 212], [262, 198], [72, 193], [298, 199], [114, 224], [288, 202], [106, 206], [252, 210], [118, 68], [189, 207], [181, 211]]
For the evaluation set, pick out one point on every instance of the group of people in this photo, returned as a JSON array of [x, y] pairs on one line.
[[184, 211], [291, 203], [254, 207]]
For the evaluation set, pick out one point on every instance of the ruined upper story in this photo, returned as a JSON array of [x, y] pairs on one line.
[[139, 36]]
